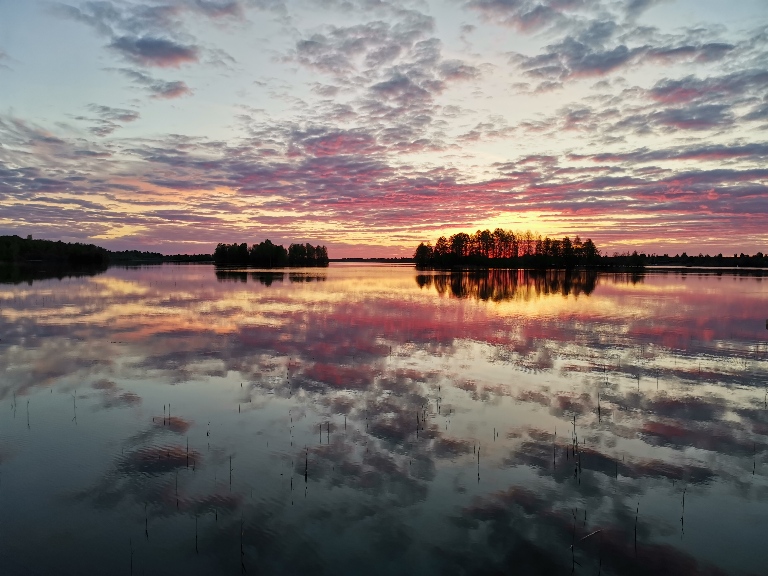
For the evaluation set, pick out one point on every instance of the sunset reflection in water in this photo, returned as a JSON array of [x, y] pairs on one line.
[[386, 420]]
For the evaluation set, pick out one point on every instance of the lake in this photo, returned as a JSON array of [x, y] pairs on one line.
[[376, 419]]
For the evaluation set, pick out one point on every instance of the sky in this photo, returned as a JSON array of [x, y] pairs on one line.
[[370, 126]]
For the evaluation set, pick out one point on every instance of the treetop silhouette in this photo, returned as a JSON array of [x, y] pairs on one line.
[[269, 255], [505, 248]]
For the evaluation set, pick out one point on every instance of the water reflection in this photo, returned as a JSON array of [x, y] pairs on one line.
[[203, 420], [500, 285], [266, 277], [19, 273]]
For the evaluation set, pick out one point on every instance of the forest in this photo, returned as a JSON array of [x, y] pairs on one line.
[[136, 256], [31, 251], [758, 260], [505, 248], [269, 255], [27, 250]]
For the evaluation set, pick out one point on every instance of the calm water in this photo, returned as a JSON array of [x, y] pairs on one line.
[[372, 419]]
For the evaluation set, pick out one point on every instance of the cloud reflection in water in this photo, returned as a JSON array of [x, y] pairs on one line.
[[457, 418]]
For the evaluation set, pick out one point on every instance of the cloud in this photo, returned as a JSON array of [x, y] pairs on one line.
[[337, 143], [154, 51], [401, 89], [344, 50], [759, 112], [702, 117], [98, 15], [690, 89], [109, 118], [573, 58], [756, 150], [152, 35], [114, 114], [704, 53], [390, 74], [114, 17], [603, 43], [636, 7], [330, 172], [218, 8], [525, 15], [458, 70], [397, 61], [157, 88]]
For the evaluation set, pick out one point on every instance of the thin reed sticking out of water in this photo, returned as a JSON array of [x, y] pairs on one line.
[[637, 512], [682, 517], [554, 450], [478, 464], [600, 555], [242, 550], [573, 543]]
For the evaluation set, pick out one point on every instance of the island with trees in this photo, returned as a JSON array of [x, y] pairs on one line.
[[269, 255], [507, 249]]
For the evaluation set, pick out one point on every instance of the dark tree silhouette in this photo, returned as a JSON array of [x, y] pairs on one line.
[[307, 255], [424, 255], [20, 250], [502, 248], [269, 255]]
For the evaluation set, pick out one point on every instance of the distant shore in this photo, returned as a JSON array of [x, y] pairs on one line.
[[29, 252]]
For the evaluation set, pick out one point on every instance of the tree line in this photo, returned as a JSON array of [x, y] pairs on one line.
[[19, 250], [32, 251], [505, 248], [269, 255], [129, 256], [758, 260]]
